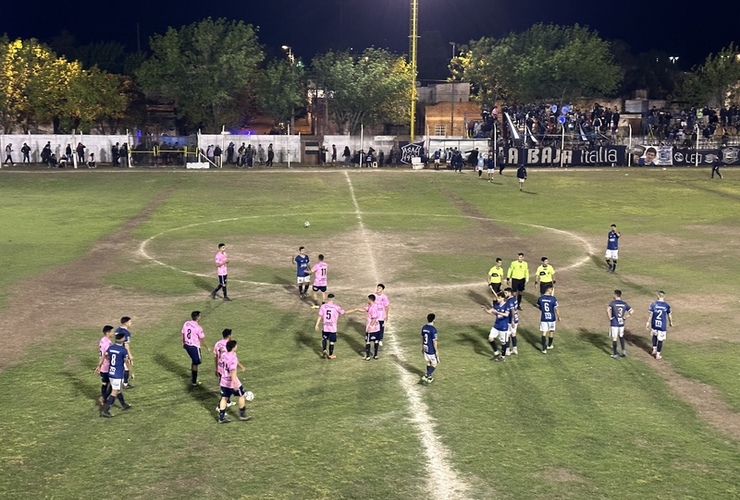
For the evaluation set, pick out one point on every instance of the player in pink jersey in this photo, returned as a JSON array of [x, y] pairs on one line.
[[372, 327], [221, 260], [103, 345], [230, 384], [219, 348], [192, 337], [329, 313], [319, 271], [381, 300]]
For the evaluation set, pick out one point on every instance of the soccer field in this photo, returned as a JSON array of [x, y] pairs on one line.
[[81, 249]]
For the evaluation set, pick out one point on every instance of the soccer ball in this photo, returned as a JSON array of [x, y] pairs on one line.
[[249, 395], [306, 224]]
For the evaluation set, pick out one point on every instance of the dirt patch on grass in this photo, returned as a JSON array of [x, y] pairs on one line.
[[73, 296], [560, 475]]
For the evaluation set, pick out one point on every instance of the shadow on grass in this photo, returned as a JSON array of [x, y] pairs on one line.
[[480, 298], [598, 340], [412, 369], [309, 342], [204, 284], [87, 389], [355, 343], [288, 285], [635, 287], [598, 261], [477, 341], [531, 299], [638, 341], [529, 192], [207, 399], [530, 336]]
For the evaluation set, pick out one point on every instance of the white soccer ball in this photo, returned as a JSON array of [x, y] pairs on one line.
[[249, 395], [306, 224]]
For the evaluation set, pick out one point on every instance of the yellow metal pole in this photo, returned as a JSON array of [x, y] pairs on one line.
[[414, 37]]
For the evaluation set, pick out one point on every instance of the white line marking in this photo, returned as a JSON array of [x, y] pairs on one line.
[[442, 480]]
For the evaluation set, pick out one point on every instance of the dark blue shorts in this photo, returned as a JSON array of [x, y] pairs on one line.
[[318, 288], [194, 353], [227, 392], [222, 279], [372, 337], [382, 329], [104, 378], [330, 336]]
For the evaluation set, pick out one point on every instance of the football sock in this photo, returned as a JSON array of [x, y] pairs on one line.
[[125, 376], [655, 341], [480, 173], [120, 398], [503, 349], [225, 294], [614, 266], [104, 391], [331, 349], [660, 345], [614, 346], [221, 414], [621, 342], [108, 403], [430, 370], [376, 349], [493, 345], [323, 345], [549, 342], [367, 350], [193, 377], [544, 342], [108, 391], [513, 341], [243, 410], [519, 300]]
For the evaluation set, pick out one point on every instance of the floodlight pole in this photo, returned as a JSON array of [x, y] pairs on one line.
[[413, 41]]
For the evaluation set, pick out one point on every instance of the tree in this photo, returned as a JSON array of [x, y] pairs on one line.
[[97, 98], [202, 68], [543, 63], [374, 87], [715, 82], [281, 90]]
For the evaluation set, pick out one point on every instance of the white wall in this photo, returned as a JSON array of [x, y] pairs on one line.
[[285, 146], [98, 144]]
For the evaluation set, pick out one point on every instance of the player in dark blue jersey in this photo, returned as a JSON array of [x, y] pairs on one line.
[[659, 320], [612, 248], [512, 302], [124, 329], [617, 311], [303, 274], [120, 362], [429, 348], [500, 328], [549, 315]]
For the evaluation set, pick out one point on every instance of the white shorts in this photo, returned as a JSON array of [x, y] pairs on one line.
[[660, 334], [303, 279], [491, 170], [512, 328], [503, 335], [547, 326], [431, 358], [116, 384], [521, 180], [612, 254], [616, 331]]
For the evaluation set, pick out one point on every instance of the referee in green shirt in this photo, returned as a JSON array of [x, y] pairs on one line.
[[517, 277]]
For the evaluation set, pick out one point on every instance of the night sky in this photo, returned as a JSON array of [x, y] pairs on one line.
[[677, 27]]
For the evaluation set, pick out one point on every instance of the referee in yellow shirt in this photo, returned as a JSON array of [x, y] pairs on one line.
[[518, 276], [545, 276], [495, 276]]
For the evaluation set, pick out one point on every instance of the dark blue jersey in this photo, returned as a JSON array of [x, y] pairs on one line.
[[502, 322], [301, 262], [428, 336], [521, 173], [619, 310], [612, 241], [125, 332], [513, 306], [659, 311], [117, 355], [547, 304]]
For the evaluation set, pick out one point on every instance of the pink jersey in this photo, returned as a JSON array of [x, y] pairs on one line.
[[381, 300], [220, 260], [192, 333], [319, 274], [228, 363], [218, 350], [329, 314], [104, 344], [372, 313]]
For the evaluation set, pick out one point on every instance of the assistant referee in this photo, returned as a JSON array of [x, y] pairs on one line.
[[518, 276], [545, 275]]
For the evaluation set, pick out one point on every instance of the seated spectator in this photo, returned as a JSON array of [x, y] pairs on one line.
[[91, 161]]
